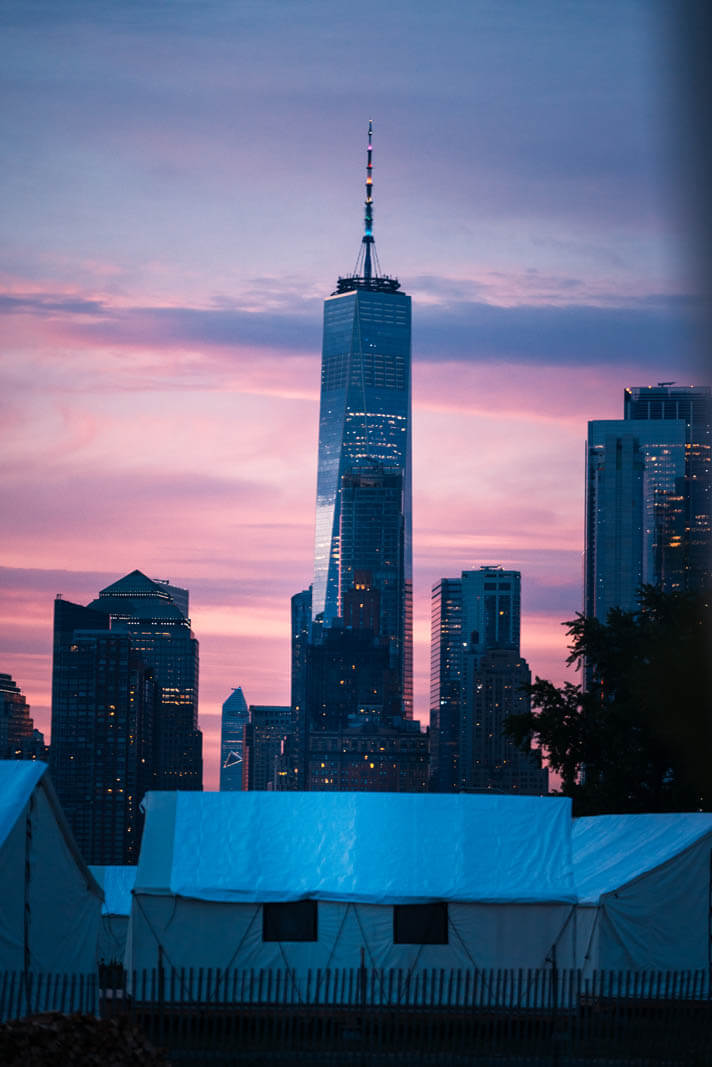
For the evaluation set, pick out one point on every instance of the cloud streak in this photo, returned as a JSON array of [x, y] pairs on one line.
[[648, 331]]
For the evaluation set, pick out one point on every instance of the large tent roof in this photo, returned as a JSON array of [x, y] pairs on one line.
[[117, 883], [609, 851], [382, 848]]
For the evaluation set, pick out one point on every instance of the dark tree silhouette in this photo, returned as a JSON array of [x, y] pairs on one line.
[[640, 738]]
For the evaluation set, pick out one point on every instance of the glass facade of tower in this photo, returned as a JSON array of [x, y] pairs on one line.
[[232, 725], [476, 674], [364, 421], [632, 468], [649, 497]]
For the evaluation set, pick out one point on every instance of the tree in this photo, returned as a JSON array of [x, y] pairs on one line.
[[639, 738]]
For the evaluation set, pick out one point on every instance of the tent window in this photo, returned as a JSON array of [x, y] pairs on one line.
[[295, 921], [420, 924]]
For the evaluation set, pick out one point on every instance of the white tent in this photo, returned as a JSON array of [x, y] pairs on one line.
[[497, 871], [643, 883], [117, 883], [49, 902]]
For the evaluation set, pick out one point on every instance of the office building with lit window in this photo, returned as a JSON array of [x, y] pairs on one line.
[[648, 497], [103, 704], [476, 677], [364, 423], [18, 737], [155, 616], [268, 730]]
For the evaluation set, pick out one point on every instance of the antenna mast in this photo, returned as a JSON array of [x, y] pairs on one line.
[[368, 218]]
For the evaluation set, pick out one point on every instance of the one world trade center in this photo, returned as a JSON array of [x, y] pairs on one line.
[[363, 507]]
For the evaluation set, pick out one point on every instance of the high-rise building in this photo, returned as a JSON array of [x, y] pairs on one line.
[[364, 424], [356, 737], [648, 497], [490, 762], [371, 572], [232, 725], [124, 710], [269, 728], [103, 703], [301, 636], [155, 616], [18, 737], [476, 675]]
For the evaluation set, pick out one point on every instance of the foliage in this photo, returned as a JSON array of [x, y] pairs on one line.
[[639, 736]]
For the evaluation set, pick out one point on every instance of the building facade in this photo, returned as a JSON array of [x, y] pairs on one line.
[[648, 497], [476, 675], [364, 423], [269, 729], [103, 705], [301, 618], [232, 726], [18, 737], [154, 614]]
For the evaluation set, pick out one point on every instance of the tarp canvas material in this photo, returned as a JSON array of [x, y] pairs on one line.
[[42, 875], [644, 891], [117, 883], [210, 861], [376, 848]]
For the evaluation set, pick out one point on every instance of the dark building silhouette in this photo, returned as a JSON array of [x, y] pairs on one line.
[[370, 758], [124, 710], [446, 678], [301, 636], [155, 616], [371, 543], [476, 677], [18, 737], [269, 728], [103, 705], [232, 728], [356, 737], [490, 763]]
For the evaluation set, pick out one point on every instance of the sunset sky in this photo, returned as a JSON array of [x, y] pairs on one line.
[[182, 185]]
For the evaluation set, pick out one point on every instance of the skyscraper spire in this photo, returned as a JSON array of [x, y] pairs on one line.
[[368, 218], [367, 269]]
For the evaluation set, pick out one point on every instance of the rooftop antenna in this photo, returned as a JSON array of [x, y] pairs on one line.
[[368, 217], [367, 269]]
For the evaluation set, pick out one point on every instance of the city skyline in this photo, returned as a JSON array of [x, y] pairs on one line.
[[163, 274]]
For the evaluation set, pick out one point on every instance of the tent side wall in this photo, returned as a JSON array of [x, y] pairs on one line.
[[197, 933], [660, 921], [12, 897], [65, 902]]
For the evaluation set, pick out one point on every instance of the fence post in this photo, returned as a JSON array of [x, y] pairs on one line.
[[362, 978], [554, 1007], [161, 992]]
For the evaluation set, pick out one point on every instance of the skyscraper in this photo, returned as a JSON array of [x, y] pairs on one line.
[[267, 731], [476, 677], [301, 636], [364, 422], [18, 737], [648, 497], [124, 710], [232, 725], [155, 616], [103, 699]]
